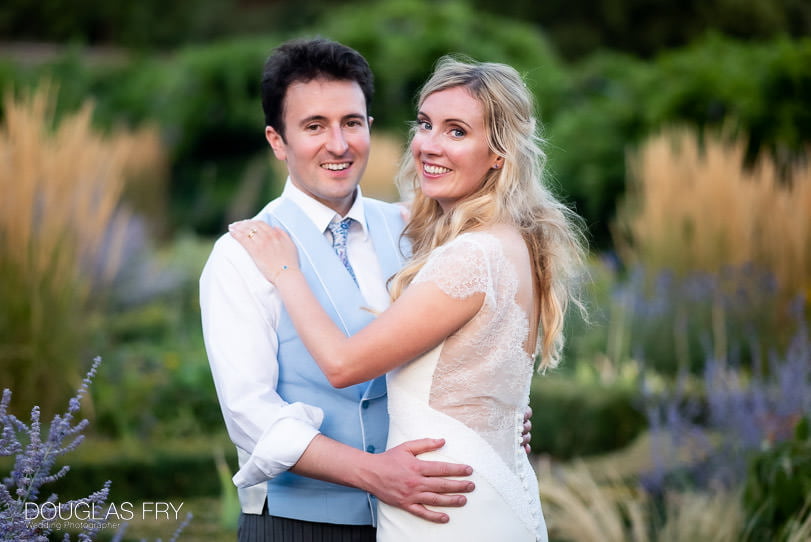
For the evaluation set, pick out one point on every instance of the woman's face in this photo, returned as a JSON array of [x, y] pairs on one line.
[[450, 146]]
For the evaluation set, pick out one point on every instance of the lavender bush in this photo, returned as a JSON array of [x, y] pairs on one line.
[[35, 458], [738, 411], [33, 468]]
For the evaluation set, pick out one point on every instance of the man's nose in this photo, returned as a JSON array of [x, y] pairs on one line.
[[336, 142]]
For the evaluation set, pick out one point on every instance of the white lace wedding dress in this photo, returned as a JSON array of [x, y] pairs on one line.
[[472, 390]]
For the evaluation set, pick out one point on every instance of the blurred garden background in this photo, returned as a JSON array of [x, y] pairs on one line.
[[131, 134]]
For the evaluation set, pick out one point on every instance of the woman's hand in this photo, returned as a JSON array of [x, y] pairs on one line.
[[271, 248], [405, 210]]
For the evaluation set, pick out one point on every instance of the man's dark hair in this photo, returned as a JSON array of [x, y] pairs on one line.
[[303, 60]]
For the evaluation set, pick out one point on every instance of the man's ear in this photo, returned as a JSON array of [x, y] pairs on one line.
[[276, 143], [371, 120]]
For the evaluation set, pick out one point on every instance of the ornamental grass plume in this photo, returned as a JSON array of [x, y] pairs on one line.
[[35, 459], [62, 225], [579, 508], [582, 505], [694, 206]]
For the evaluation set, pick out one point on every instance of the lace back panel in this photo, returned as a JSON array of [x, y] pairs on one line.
[[483, 374]]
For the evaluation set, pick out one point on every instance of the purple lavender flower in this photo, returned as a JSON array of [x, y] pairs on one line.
[[20, 509], [746, 409], [19, 492]]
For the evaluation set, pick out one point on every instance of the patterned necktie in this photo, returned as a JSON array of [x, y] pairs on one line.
[[340, 232]]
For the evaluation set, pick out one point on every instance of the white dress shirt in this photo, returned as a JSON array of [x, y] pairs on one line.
[[240, 311]]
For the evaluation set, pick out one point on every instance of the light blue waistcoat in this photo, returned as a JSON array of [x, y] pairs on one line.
[[355, 415]]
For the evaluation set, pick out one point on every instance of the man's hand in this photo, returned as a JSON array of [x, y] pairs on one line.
[[526, 435], [398, 478]]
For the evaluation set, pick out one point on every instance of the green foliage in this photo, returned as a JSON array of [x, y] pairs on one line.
[[645, 28], [402, 40], [761, 90], [577, 29], [144, 470], [39, 334], [206, 101], [778, 485], [206, 98], [158, 383], [674, 323], [758, 90], [229, 498], [147, 23], [589, 132], [574, 419]]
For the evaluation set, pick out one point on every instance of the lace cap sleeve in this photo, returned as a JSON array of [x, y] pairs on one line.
[[460, 268]]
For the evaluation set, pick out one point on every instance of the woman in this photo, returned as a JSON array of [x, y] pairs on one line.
[[485, 291]]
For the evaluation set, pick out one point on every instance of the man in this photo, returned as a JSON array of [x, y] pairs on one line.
[[311, 456]]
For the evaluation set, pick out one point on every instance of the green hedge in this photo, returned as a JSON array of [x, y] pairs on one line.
[[572, 419], [577, 28], [144, 471], [645, 28]]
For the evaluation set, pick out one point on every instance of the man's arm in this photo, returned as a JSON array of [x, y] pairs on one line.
[[395, 476], [239, 316]]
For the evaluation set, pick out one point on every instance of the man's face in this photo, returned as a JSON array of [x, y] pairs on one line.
[[326, 143]]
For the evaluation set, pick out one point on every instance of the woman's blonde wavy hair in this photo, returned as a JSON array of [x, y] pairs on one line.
[[514, 194]]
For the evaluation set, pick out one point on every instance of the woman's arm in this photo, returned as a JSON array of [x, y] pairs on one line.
[[418, 321]]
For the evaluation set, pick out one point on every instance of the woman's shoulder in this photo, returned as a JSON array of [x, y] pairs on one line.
[[497, 244], [492, 237], [479, 248]]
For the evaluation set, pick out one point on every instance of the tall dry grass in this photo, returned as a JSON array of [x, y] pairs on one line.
[[579, 507], [702, 517], [798, 528], [61, 231], [695, 207]]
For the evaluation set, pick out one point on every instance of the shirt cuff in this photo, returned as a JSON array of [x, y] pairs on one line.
[[281, 445]]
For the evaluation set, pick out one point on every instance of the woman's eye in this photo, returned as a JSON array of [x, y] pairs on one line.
[[457, 132], [423, 125]]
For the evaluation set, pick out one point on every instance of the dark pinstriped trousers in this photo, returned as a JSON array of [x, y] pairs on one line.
[[265, 528]]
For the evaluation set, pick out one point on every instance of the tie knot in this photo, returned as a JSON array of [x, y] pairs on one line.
[[339, 231]]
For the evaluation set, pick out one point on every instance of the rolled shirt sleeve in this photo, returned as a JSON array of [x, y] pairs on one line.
[[240, 310]]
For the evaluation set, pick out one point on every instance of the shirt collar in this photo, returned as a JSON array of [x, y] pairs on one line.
[[320, 214]]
